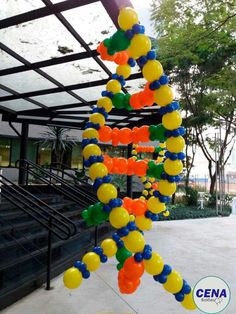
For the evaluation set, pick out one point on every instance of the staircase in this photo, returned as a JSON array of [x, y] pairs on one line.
[[24, 240]]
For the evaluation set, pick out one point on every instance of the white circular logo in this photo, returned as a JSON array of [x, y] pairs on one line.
[[211, 294]]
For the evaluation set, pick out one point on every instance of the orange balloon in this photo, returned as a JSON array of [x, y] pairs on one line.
[[115, 136], [132, 269], [125, 136], [135, 101], [121, 57], [123, 165], [140, 168], [143, 133], [135, 138], [108, 162], [131, 163], [102, 49], [115, 167], [155, 185], [105, 133], [139, 207], [127, 204]]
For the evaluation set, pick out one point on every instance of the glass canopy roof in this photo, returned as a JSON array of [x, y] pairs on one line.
[[50, 71]]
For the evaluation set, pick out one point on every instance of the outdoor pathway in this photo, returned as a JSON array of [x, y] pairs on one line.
[[196, 248]]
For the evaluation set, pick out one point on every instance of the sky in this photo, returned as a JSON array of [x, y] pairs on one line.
[[143, 9]]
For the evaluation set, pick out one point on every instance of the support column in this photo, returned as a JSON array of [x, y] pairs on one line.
[[23, 152], [129, 178]]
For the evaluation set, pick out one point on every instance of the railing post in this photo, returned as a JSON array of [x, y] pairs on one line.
[[49, 255], [0, 185]]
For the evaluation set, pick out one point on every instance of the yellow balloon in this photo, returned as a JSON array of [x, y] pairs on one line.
[[119, 217], [97, 170], [166, 213], [164, 95], [92, 261], [113, 86], [172, 120], [97, 118], [154, 265], [148, 185], [145, 192], [175, 144], [127, 18], [155, 206], [160, 159], [152, 70], [139, 46], [123, 70], [143, 179], [162, 145], [173, 167], [72, 278], [134, 242], [143, 223], [174, 282], [142, 197], [166, 188], [188, 302], [131, 218], [152, 180], [90, 133], [91, 149], [105, 102], [109, 247], [106, 192]]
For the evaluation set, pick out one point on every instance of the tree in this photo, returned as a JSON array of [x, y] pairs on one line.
[[196, 44], [58, 140]]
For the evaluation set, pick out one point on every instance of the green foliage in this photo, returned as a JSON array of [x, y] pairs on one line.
[[181, 211], [191, 196], [58, 140], [196, 45]]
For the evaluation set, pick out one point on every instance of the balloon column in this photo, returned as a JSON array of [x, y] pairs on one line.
[[132, 217]]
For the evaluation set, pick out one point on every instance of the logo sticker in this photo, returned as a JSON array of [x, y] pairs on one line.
[[211, 295]]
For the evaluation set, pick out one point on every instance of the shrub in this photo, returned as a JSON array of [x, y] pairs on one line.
[[191, 196]]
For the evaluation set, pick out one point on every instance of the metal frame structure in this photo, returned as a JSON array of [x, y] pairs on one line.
[[59, 115]]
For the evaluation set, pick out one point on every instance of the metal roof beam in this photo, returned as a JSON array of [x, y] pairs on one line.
[[42, 12]]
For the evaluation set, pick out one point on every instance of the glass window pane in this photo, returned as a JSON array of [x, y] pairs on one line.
[[91, 93], [97, 24], [6, 61], [41, 39], [13, 7], [4, 152], [18, 105], [80, 71], [56, 99], [15, 151], [77, 158], [44, 156], [26, 82]]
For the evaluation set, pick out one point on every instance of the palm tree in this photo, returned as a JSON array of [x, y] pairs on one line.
[[58, 140]]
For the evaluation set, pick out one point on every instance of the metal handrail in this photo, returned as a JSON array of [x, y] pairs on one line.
[[71, 193], [17, 196]]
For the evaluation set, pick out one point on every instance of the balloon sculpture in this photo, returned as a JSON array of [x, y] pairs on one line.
[[132, 216]]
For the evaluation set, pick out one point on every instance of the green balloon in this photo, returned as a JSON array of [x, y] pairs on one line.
[[119, 266], [118, 101], [119, 41], [157, 132], [122, 255], [155, 170]]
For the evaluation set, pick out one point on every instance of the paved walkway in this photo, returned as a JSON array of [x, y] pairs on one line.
[[196, 248]]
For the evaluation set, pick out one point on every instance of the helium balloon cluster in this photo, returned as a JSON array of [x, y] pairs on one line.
[[126, 47]]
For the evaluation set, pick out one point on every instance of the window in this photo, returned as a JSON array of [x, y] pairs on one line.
[[77, 158], [4, 152]]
